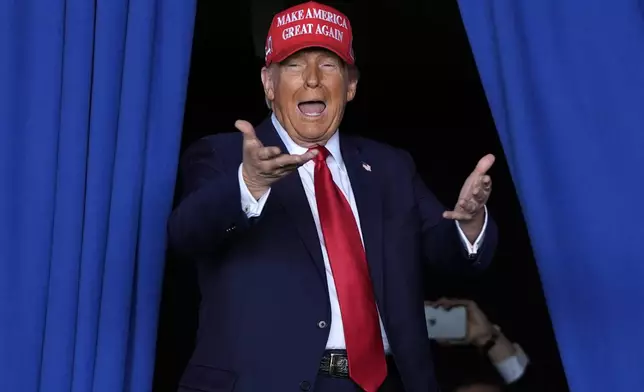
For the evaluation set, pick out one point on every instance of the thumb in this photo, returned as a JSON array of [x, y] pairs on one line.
[[246, 128], [485, 164]]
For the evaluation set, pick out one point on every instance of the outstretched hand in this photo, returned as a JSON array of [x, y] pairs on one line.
[[474, 193], [262, 166]]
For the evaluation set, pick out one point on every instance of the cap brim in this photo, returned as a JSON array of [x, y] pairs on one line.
[[279, 57]]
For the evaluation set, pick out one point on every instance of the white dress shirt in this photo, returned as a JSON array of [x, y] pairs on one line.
[[513, 368], [253, 208]]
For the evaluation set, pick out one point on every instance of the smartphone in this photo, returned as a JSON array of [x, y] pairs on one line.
[[444, 324]]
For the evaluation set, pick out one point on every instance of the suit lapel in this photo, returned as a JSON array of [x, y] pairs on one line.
[[289, 193], [365, 185]]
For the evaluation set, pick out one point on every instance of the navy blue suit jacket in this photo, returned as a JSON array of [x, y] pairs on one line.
[[263, 285]]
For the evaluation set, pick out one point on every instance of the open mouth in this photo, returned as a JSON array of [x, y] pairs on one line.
[[312, 108]]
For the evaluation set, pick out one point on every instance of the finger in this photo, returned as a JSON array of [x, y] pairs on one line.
[[443, 303], [279, 171], [246, 128], [295, 160], [480, 194], [484, 164], [477, 191], [457, 215], [266, 153], [281, 164], [481, 184], [469, 206], [486, 182], [250, 138], [482, 199], [455, 302], [288, 168], [307, 156]]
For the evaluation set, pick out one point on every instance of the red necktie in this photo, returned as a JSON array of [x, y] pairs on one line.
[[367, 365]]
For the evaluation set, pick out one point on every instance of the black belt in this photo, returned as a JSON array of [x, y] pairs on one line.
[[335, 363]]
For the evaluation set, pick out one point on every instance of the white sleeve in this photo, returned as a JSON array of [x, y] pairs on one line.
[[473, 248], [512, 368], [252, 207]]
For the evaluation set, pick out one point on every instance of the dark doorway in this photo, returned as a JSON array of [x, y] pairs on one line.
[[419, 90]]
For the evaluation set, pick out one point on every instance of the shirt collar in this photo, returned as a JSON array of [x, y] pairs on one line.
[[333, 144]]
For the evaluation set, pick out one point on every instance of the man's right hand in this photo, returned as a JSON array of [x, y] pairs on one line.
[[262, 166]]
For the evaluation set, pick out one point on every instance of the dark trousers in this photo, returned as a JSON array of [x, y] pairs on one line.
[[392, 383]]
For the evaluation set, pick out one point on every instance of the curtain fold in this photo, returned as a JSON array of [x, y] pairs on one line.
[[565, 83], [91, 109]]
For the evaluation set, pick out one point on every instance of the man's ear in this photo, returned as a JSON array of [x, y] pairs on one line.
[[351, 89], [268, 83]]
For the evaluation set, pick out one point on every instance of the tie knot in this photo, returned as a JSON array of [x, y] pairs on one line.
[[322, 155]]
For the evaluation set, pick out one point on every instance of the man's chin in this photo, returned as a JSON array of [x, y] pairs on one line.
[[312, 133]]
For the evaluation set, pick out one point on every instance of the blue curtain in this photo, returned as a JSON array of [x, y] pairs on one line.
[[565, 82], [91, 109]]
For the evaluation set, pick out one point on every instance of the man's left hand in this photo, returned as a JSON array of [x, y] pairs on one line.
[[474, 194]]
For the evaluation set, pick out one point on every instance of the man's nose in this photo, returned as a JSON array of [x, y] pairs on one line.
[[312, 77]]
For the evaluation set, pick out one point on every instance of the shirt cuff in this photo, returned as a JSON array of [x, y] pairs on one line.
[[473, 248], [252, 207], [513, 368]]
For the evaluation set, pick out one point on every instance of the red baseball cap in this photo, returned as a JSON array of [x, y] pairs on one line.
[[309, 25]]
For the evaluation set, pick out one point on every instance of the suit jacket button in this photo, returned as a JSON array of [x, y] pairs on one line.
[[322, 324], [305, 385]]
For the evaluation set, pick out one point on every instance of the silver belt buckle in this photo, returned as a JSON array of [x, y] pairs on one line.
[[338, 365]]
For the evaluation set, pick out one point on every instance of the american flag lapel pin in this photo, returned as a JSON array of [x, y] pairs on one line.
[[366, 166]]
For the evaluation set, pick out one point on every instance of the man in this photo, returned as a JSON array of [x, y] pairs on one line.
[[276, 219]]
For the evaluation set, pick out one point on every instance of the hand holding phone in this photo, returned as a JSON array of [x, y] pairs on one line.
[[446, 324]]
